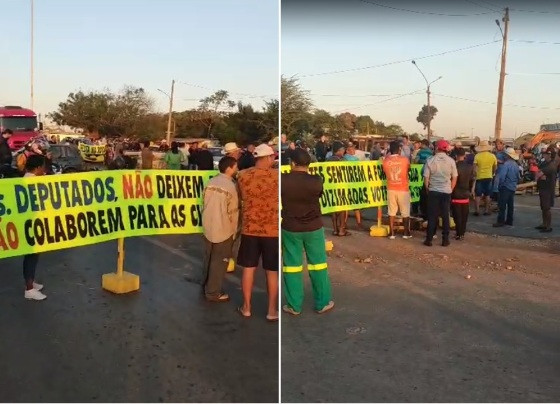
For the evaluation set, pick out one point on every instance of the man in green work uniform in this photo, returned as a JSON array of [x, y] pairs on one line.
[[302, 231]]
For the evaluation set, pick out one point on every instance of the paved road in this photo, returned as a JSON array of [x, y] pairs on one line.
[[164, 343], [409, 326], [527, 216]]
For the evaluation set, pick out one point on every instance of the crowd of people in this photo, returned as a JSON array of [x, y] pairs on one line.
[[453, 177]]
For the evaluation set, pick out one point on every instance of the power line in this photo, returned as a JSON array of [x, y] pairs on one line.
[[382, 101], [422, 12], [534, 11], [493, 103], [400, 61], [482, 6], [230, 92], [357, 96], [533, 42]]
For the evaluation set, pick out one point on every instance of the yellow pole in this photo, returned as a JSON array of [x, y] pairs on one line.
[[120, 260]]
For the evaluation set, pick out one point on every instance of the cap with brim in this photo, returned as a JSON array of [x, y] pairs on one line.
[[263, 150]]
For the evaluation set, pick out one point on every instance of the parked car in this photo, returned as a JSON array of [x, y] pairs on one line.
[[66, 158]]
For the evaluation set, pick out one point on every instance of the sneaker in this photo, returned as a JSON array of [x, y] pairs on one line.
[[407, 237], [435, 236], [540, 227], [289, 310], [34, 294], [37, 286], [445, 243], [328, 307], [476, 213], [498, 225], [427, 243], [392, 237], [546, 230]]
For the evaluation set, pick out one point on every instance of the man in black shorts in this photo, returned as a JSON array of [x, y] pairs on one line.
[[258, 186]]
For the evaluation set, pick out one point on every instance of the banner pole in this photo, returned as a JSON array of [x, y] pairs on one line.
[[121, 281]]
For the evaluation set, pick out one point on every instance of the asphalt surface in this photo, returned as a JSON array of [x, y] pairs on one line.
[[527, 215], [474, 322], [164, 343]]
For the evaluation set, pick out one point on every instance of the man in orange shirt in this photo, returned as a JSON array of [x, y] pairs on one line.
[[258, 186], [396, 169]]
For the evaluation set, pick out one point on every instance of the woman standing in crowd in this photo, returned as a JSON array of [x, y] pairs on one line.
[[174, 158]]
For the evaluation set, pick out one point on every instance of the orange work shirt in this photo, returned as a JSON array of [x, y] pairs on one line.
[[396, 170]]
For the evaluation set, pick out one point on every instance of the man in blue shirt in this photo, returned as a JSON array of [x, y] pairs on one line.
[[506, 180]]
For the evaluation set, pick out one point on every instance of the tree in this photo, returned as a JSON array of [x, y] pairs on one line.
[[209, 112], [90, 112], [321, 122], [105, 113], [364, 124], [296, 104], [425, 116]]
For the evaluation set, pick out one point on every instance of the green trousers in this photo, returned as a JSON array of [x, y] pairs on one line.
[[293, 247]]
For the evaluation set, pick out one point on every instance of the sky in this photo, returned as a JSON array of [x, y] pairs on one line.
[[107, 44], [333, 35]]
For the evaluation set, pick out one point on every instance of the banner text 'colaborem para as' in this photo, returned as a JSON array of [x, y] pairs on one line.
[[349, 185], [47, 213]]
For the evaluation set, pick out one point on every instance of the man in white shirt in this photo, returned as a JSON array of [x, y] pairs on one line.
[[220, 219]]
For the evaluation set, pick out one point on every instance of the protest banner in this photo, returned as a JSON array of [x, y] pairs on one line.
[[349, 185], [46, 213], [92, 153]]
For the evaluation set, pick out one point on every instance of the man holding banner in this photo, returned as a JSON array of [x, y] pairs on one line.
[[339, 219]]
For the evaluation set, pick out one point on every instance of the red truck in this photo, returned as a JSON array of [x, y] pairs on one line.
[[23, 122]]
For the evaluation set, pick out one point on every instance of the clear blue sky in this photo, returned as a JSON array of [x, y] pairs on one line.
[[97, 44], [324, 36]]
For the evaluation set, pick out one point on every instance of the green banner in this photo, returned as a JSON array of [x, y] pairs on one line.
[[352, 185], [53, 212]]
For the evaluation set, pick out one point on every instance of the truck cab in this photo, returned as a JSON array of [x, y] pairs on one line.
[[22, 122]]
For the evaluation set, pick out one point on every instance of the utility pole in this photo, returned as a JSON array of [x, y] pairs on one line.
[[170, 112], [498, 127], [32, 98], [429, 115]]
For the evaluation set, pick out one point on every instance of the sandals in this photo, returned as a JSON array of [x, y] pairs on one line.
[[346, 233], [272, 319], [289, 310], [242, 313]]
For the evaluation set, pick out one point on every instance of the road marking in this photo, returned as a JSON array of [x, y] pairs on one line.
[[191, 260]]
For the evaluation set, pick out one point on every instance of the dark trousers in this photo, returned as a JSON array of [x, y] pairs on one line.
[[30, 266], [505, 202], [424, 203], [460, 215], [216, 260], [546, 197], [438, 206]]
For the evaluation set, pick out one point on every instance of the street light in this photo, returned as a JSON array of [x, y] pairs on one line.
[[428, 84]]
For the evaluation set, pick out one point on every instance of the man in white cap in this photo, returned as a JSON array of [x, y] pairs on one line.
[[258, 187], [506, 180]]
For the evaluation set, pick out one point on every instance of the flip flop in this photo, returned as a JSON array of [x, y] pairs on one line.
[[272, 319], [241, 313], [345, 234]]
